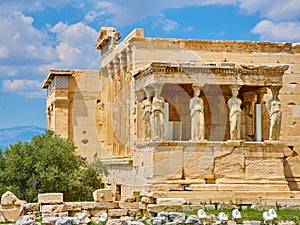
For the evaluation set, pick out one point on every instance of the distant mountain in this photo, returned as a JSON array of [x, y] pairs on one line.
[[10, 136]]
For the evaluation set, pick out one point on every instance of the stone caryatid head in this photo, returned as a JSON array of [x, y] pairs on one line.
[[196, 89], [235, 90]]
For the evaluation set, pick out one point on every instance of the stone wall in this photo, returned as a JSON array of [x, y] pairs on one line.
[[52, 208], [51, 205]]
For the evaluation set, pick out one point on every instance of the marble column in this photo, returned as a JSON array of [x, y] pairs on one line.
[[258, 114], [234, 104], [197, 115], [117, 74], [274, 106], [249, 115], [110, 68], [128, 61], [147, 114], [123, 60], [158, 103], [125, 104]]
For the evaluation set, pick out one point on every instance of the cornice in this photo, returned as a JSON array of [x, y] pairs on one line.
[[168, 68]]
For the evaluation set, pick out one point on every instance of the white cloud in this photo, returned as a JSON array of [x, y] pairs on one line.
[[8, 70], [34, 5], [91, 15], [22, 40], [75, 34], [29, 53], [276, 10], [285, 31], [189, 29], [122, 13], [128, 12], [75, 45], [28, 88], [18, 85], [281, 21], [23, 47], [165, 24], [169, 25]]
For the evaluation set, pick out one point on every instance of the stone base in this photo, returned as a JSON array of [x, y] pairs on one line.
[[209, 170], [230, 197], [234, 142], [226, 191]]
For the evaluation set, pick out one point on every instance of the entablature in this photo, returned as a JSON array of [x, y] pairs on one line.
[[212, 73], [54, 73]]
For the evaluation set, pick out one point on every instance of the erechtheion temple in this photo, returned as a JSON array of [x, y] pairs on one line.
[[197, 119]]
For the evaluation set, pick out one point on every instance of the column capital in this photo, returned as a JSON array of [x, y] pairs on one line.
[[157, 87], [275, 90], [235, 87], [196, 89], [260, 95], [149, 91], [197, 86]]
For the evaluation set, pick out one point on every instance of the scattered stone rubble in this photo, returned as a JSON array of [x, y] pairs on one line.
[[103, 210], [11, 207]]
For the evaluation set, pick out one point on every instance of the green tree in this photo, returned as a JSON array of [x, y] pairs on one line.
[[48, 163], [2, 166]]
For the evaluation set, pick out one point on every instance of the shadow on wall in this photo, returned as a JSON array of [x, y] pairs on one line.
[[291, 166]]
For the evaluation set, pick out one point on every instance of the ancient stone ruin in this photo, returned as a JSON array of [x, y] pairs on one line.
[[51, 209], [192, 119]]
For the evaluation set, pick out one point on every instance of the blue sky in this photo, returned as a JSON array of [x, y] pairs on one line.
[[39, 35]]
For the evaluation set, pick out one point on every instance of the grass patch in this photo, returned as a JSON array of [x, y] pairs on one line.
[[252, 214]]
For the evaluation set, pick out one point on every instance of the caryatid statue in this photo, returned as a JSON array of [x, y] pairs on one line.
[[158, 104], [274, 106], [197, 115], [147, 107], [235, 111]]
